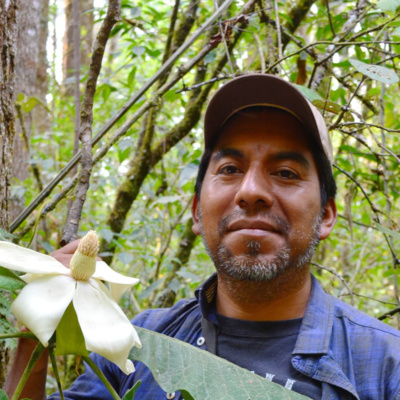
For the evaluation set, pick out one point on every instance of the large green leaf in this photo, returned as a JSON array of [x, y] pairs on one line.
[[180, 366], [377, 72]]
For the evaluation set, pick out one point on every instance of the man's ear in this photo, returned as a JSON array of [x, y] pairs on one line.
[[328, 219], [196, 215]]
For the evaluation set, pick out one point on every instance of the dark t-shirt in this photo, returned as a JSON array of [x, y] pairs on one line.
[[265, 348]]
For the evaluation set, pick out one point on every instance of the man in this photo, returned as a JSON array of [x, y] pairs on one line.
[[264, 199]]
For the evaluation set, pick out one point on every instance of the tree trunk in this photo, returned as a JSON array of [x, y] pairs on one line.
[[41, 120], [86, 34], [8, 33], [27, 58]]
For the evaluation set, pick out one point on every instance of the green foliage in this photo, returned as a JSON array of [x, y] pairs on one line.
[[358, 92], [69, 336], [201, 375], [6, 236], [388, 5], [130, 394], [381, 74]]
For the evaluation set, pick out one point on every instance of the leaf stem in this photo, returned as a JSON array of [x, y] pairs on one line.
[[101, 376], [26, 335], [34, 358], [55, 370]]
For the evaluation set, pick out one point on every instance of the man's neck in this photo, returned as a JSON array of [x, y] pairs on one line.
[[282, 298]]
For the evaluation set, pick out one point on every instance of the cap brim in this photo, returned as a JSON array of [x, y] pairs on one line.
[[263, 90]]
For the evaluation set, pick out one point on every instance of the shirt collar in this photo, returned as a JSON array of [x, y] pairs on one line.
[[316, 328], [205, 294]]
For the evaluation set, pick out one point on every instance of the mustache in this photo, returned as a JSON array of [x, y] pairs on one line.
[[273, 219]]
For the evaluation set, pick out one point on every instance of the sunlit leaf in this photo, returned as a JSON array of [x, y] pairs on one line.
[[125, 257], [130, 394], [171, 361], [309, 93], [387, 231], [188, 173], [388, 5], [377, 72], [138, 50], [10, 284], [69, 336], [327, 106]]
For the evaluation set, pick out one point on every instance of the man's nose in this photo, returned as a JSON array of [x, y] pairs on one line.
[[255, 190]]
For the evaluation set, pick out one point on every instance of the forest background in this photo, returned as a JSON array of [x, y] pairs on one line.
[[343, 55]]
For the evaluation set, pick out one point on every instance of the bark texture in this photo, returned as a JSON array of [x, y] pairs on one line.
[[40, 116], [85, 23], [8, 33], [27, 59]]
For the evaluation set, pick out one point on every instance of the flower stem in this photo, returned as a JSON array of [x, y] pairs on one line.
[[55, 370], [27, 335], [101, 376], [34, 358]]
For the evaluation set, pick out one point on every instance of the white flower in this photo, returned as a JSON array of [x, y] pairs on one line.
[[51, 288]]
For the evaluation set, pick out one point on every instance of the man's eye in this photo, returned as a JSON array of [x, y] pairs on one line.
[[287, 174], [228, 170]]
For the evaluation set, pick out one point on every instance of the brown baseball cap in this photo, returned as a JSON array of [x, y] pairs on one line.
[[269, 91]]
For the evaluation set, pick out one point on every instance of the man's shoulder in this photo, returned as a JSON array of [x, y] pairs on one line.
[[165, 320], [363, 324]]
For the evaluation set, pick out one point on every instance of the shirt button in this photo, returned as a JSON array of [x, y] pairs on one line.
[[200, 341], [171, 395]]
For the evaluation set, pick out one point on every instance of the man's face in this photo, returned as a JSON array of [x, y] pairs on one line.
[[260, 210]]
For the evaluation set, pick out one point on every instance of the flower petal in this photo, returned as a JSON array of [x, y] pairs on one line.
[[42, 303], [28, 278], [118, 283], [106, 329], [25, 260]]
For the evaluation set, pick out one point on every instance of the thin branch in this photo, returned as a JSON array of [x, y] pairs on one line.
[[85, 130], [167, 50], [347, 106], [222, 32], [389, 313], [169, 237], [278, 28], [340, 277], [330, 17], [369, 298], [338, 46], [374, 209], [198, 85], [260, 52]]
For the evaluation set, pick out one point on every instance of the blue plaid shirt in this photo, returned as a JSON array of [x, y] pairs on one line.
[[353, 355]]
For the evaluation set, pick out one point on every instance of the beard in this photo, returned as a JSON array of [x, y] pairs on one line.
[[255, 266]]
